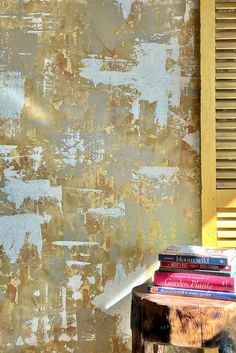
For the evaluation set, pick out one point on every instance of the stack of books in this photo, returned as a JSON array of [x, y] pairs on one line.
[[196, 271]]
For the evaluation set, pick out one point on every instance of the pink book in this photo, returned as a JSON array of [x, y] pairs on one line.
[[194, 281]]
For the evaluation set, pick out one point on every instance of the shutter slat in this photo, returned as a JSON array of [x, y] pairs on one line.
[[229, 65], [225, 145], [226, 243], [229, 115], [225, 94], [226, 76], [226, 213], [221, 164], [226, 184], [226, 223], [226, 174], [226, 233], [226, 84], [226, 134], [222, 24], [225, 35], [226, 5], [226, 104], [225, 124], [226, 15], [222, 44], [229, 155], [227, 54]]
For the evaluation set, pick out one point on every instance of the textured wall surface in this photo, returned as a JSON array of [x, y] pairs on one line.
[[99, 163]]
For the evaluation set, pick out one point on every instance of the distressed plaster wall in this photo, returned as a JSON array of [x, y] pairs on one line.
[[99, 152]]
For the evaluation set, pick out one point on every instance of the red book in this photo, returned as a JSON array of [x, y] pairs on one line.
[[194, 281], [168, 264]]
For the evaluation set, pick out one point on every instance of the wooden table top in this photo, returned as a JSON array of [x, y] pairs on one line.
[[180, 301], [181, 321]]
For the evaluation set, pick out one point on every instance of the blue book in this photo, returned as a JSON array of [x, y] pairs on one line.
[[199, 255], [151, 288]]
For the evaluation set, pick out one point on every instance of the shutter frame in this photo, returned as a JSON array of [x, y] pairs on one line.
[[208, 145], [218, 122]]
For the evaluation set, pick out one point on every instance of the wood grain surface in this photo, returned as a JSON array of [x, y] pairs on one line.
[[181, 321]]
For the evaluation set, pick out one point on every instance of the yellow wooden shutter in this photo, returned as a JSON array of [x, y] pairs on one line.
[[218, 122]]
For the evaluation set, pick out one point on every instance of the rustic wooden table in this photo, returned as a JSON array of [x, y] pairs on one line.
[[158, 320]]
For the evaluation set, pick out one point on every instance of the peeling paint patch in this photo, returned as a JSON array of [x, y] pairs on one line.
[[11, 95], [95, 147], [64, 337], [75, 283], [16, 229], [125, 6], [115, 211], [187, 10], [47, 75], [36, 293], [71, 263], [34, 324], [47, 327], [70, 243], [149, 77], [31, 340], [38, 22], [36, 156], [91, 190], [18, 191], [7, 152], [63, 313], [74, 148], [72, 144], [19, 341], [162, 182], [11, 173], [193, 140], [157, 172]]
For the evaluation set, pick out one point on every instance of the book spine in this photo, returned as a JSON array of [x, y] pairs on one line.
[[194, 281], [191, 292], [166, 264], [196, 270], [206, 260]]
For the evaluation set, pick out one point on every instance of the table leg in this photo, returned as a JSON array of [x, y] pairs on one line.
[[150, 347], [137, 342], [227, 344], [158, 349]]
